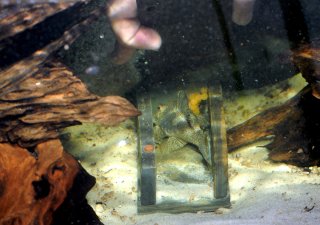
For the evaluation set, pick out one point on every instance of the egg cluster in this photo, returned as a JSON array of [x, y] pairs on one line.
[[194, 100]]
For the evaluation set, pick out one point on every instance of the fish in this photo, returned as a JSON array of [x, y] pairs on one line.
[[178, 122]]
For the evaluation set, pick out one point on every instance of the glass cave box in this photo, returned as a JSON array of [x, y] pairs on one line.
[[182, 148]]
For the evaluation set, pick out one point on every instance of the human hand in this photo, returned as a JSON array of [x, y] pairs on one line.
[[131, 35], [242, 11]]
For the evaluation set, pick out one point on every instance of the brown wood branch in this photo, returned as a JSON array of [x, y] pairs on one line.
[[39, 97], [25, 68], [18, 19], [51, 99], [108, 110], [294, 127], [265, 123]]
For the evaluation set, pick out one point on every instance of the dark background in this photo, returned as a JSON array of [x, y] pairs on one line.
[[194, 36]]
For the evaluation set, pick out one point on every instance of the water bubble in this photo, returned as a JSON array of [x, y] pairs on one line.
[[92, 70]]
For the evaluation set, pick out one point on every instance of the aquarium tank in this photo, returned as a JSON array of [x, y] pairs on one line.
[[159, 112]]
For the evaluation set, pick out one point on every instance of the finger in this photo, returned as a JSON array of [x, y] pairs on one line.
[[120, 9], [125, 29], [146, 38], [132, 34], [242, 11]]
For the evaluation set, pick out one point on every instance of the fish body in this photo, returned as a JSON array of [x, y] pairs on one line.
[[178, 121]]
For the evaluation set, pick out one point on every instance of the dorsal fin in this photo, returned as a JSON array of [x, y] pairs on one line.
[[182, 102]]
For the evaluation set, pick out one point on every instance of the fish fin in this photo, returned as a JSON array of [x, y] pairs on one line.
[[171, 144], [182, 102]]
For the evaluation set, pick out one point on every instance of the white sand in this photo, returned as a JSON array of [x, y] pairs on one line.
[[262, 192]]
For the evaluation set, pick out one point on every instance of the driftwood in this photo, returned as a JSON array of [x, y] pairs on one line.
[[34, 184], [37, 96], [307, 59], [41, 30], [32, 110], [293, 126], [265, 123], [18, 19], [75, 208]]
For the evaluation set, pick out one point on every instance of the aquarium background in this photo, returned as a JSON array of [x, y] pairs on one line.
[[195, 49]]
